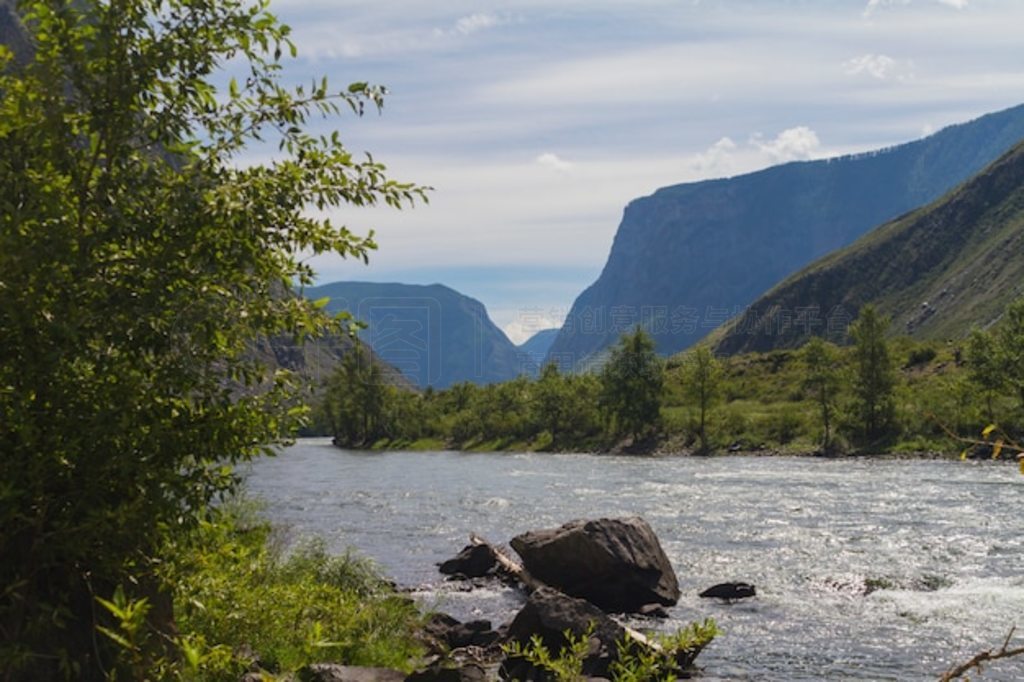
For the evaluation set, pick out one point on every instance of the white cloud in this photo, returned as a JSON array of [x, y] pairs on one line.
[[878, 66], [717, 159], [791, 144], [872, 5], [476, 22], [875, 4], [552, 161]]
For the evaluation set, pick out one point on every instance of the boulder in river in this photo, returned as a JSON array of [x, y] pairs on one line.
[[617, 564], [548, 614], [474, 561], [729, 591]]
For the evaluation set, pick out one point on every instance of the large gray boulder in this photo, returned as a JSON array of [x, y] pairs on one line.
[[617, 564], [548, 614]]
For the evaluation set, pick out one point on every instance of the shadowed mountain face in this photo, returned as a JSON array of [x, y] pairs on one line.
[[689, 257], [536, 348], [937, 271], [434, 335]]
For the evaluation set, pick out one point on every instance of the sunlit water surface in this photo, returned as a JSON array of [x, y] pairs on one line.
[[942, 539]]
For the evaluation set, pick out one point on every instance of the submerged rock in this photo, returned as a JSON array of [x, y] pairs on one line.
[[729, 591], [617, 564]]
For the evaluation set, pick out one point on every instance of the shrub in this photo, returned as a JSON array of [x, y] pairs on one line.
[[920, 356], [237, 590]]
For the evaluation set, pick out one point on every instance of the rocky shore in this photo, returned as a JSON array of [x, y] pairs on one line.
[[582, 579]]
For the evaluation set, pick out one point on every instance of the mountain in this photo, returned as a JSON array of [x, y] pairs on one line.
[[535, 349], [690, 256], [538, 345], [937, 271], [434, 335]]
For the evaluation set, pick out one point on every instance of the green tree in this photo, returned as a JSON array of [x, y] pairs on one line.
[[701, 378], [631, 385], [822, 382], [984, 370], [550, 406], [564, 405], [995, 359], [139, 256], [1009, 337], [874, 380], [355, 399]]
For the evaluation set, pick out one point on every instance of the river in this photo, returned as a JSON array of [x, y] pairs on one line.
[[940, 541]]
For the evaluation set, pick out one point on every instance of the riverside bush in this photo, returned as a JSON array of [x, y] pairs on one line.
[[674, 654]]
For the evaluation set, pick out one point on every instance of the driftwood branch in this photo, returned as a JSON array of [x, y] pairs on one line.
[[511, 566], [516, 570], [984, 657]]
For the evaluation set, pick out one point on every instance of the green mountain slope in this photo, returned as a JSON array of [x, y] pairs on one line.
[[937, 271], [688, 257], [434, 335]]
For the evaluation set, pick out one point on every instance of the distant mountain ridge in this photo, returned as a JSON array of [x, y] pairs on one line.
[[937, 271], [539, 343], [690, 256], [535, 349], [433, 334]]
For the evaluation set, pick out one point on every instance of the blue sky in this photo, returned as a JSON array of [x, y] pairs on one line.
[[537, 121]]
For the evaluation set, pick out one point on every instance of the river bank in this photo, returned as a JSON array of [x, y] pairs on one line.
[[670, 447]]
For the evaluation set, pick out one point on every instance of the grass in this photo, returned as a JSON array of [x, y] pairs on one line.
[[237, 592]]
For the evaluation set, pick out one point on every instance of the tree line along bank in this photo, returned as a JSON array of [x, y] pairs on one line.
[[877, 394]]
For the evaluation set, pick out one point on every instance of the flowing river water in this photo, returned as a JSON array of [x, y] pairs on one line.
[[865, 569]]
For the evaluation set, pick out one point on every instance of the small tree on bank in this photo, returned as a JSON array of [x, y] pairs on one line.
[[984, 370], [822, 382], [701, 378], [995, 360], [874, 380], [631, 385]]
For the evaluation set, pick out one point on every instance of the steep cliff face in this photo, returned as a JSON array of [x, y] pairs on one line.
[[937, 271], [688, 257], [434, 335]]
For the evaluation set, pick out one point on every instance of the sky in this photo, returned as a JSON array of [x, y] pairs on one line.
[[537, 121]]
